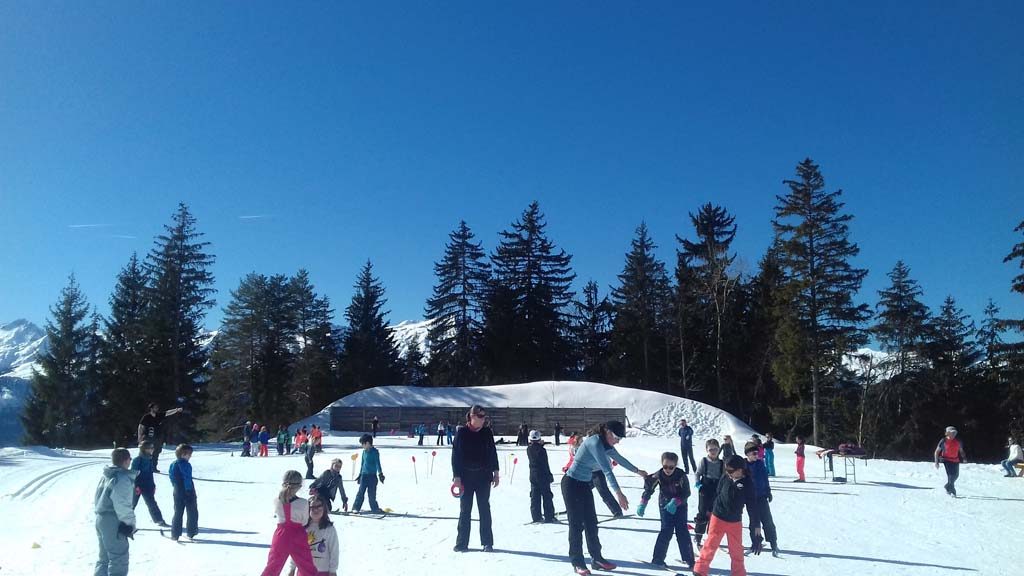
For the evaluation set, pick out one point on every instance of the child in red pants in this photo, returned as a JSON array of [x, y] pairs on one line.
[[734, 491], [799, 459], [290, 537]]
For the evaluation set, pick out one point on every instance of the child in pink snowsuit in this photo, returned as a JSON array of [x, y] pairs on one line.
[[290, 537]]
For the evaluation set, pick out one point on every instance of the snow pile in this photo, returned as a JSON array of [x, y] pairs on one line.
[[649, 413]]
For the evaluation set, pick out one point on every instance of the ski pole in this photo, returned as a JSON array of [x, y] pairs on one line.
[[513, 475], [414, 474]]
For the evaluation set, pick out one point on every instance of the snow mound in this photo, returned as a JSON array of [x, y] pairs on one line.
[[649, 413]]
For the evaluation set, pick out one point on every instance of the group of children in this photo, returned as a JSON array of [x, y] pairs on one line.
[[257, 434]]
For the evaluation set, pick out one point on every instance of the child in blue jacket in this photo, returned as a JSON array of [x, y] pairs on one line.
[[674, 490], [145, 487], [369, 473], [184, 493], [762, 516]]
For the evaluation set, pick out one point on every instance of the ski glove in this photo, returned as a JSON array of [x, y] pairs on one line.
[[697, 486], [138, 491], [672, 505], [126, 530], [769, 496], [758, 545], [641, 509], [381, 477]]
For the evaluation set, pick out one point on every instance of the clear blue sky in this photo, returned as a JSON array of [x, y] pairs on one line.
[[367, 130]]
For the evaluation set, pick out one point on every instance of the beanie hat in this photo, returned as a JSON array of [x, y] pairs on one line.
[[616, 427], [534, 435]]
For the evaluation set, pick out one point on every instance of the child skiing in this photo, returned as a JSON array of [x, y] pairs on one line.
[[264, 438], [800, 459], [282, 440], [115, 520], [674, 490], [322, 539], [540, 480], [145, 487], [769, 454], [734, 491], [709, 472], [369, 472], [184, 494], [328, 484], [290, 536], [762, 496], [951, 452]]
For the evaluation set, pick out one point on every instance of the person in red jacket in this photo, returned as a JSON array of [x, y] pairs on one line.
[[950, 452]]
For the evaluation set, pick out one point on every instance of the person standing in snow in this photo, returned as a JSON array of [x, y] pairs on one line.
[[247, 439], [310, 452], [374, 425], [151, 427], [440, 432], [950, 452], [686, 445], [734, 492], [728, 449], [673, 491], [329, 484], [282, 440], [369, 473], [290, 537], [115, 518], [710, 471], [322, 538], [264, 439], [762, 497], [800, 459], [540, 480], [592, 454], [1015, 456], [474, 472], [145, 487], [769, 454], [180, 474], [558, 433]]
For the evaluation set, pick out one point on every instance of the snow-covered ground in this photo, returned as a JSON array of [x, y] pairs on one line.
[[895, 520]]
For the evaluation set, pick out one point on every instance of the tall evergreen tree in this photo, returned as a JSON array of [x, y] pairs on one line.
[[455, 311], [820, 282], [901, 328], [757, 346], [55, 413], [179, 294], [314, 382], [691, 334], [1013, 352], [592, 334], [710, 255], [643, 292], [526, 325], [991, 341], [414, 369], [369, 355]]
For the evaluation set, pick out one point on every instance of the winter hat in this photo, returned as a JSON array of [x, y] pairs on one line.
[[951, 430], [616, 427], [534, 435]]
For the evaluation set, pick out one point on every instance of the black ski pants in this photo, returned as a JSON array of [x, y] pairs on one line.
[[582, 518], [767, 523], [602, 488], [686, 449], [673, 524], [475, 483], [185, 501], [541, 491], [952, 473], [440, 438], [147, 494], [705, 501]]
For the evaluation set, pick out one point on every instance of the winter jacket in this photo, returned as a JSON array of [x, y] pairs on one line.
[[1015, 453], [800, 449], [758, 474], [949, 450], [769, 446], [675, 486], [300, 511], [371, 462], [709, 470], [594, 454], [143, 467], [686, 435], [181, 475], [323, 544], [474, 451], [282, 438], [330, 483], [264, 437], [114, 494], [540, 471], [727, 450], [732, 496]]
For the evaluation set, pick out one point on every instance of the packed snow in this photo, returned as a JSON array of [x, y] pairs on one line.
[[895, 520]]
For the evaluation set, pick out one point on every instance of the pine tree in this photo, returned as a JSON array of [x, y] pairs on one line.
[[53, 414], [638, 343], [991, 341], [179, 294], [414, 370], [711, 257], [820, 282], [756, 351], [901, 328], [691, 334], [592, 334], [314, 383], [526, 325], [455, 311], [123, 356], [1013, 352], [369, 355]]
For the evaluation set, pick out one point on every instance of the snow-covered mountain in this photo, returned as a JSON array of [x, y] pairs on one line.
[[414, 330], [20, 342]]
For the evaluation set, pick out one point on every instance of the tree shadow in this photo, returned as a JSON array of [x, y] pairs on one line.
[[233, 543], [424, 517], [868, 559], [798, 491], [647, 568], [992, 498], [228, 481], [897, 485], [201, 530]]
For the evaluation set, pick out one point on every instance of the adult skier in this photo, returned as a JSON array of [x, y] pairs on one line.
[[686, 446], [151, 428], [950, 452]]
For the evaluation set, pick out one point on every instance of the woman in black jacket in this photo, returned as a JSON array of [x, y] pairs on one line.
[[475, 472]]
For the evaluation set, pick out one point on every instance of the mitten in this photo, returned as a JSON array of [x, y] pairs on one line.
[[769, 496], [359, 479], [381, 477], [671, 506], [126, 530], [758, 545], [697, 486], [138, 491], [641, 509]]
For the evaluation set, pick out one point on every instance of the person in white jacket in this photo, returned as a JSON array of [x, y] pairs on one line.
[[322, 537], [1016, 456], [115, 517]]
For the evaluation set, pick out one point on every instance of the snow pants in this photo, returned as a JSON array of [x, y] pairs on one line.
[[719, 529], [264, 449], [280, 448], [183, 501], [686, 455], [705, 502], [764, 512], [582, 518], [440, 437], [113, 559], [800, 467], [367, 484], [290, 540], [673, 523], [769, 461], [148, 494], [309, 465], [602, 488], [541, 492], [952, 473], [475, 483]]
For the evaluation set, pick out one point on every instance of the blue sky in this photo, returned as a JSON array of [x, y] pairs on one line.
[[318, 135]]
